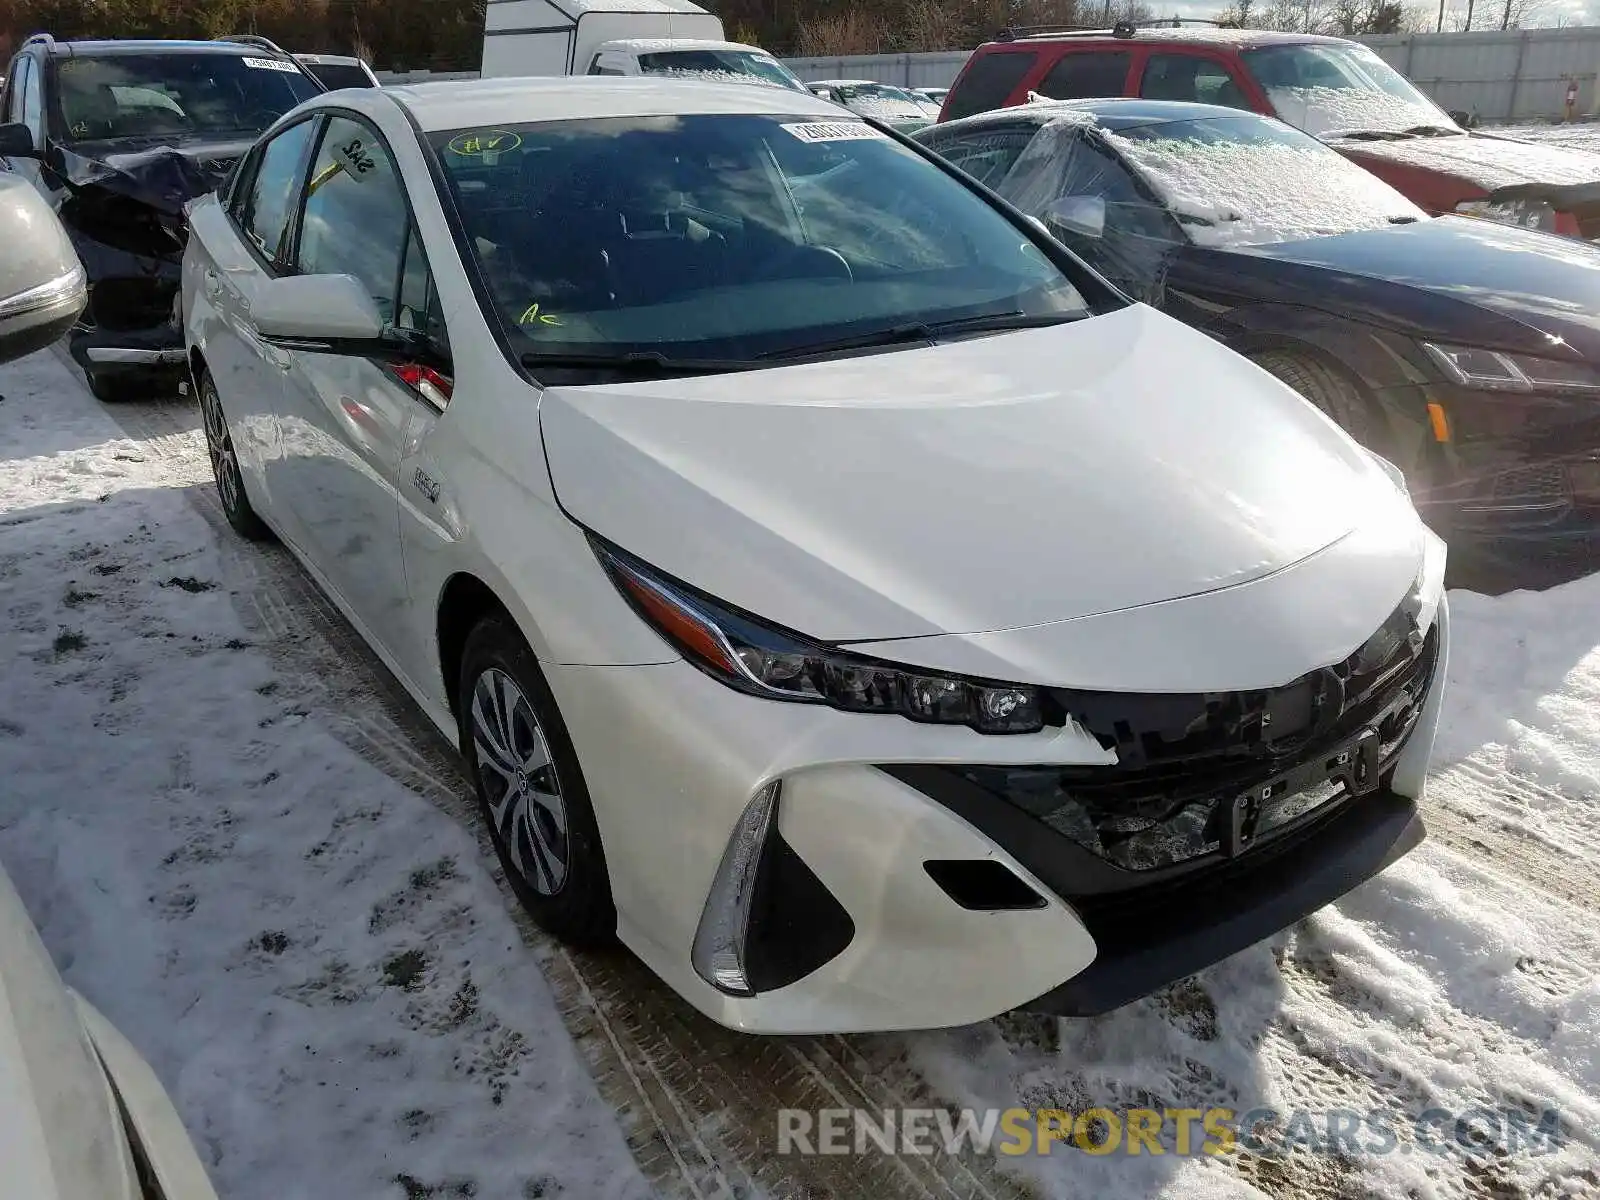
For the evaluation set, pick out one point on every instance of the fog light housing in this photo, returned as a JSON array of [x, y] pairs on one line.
[[720, 941]]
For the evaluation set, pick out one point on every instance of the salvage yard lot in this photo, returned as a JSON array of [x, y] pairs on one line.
[[240, 842]]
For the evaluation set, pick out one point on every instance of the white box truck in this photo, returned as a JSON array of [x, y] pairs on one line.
[[564, 37]]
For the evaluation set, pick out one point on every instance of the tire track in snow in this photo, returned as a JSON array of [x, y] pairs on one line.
[[698, 1103], [1460, 812]]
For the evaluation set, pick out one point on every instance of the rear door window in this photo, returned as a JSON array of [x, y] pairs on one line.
[[1191, 78], [988, 82], [1087, 73]]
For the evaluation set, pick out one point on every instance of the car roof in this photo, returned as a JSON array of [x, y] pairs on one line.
[[852, 83], [334, 60], [1111, 113], [647, 45], [1244, 39], [489, 102], [107, 49]]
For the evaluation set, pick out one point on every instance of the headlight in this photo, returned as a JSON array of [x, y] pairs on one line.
[[763, 660], [1494, 371]]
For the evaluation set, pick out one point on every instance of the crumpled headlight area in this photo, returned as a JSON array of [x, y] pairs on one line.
[[123, 223], [764, 660], [1495, 371]]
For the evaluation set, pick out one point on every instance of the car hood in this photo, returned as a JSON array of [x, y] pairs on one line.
[[1486, 283], [60, 1133], [165, 175], [1489, 163], [982, 484]]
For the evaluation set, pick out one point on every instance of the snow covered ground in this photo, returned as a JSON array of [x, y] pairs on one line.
[[318, 963], [313, 958]]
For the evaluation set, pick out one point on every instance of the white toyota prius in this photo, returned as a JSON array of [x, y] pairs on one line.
[[838, 592]]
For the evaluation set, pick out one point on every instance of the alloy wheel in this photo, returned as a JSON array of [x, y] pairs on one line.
[[224, 463], [519, 781]]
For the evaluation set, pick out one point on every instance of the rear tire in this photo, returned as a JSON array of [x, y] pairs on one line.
[[1330, 390], [114, 388], [530, 787], [225, 466]]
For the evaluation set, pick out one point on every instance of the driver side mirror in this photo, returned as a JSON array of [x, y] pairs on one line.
[[16, 141], [42, 290], [327, 314], [1083, 215]]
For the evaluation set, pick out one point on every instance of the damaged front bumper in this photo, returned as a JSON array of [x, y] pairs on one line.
[[1515, 470], [132, 322], [124, 211]]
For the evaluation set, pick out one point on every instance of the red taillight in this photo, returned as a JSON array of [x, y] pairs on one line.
[[426, 382]]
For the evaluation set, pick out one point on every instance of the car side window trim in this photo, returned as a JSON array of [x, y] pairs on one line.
[[244, 189], [436, 354]]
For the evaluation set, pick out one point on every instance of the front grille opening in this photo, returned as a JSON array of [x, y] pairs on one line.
[[1184, 729], [982, 885], [1170, 805], [131, 304]]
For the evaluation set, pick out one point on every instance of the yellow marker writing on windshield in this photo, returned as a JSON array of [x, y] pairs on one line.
[[489, 143], [533, 315]]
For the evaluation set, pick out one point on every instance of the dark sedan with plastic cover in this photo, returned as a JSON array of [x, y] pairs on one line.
[[1466, 352]]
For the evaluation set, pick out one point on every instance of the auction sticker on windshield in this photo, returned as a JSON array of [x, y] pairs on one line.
[[835, 131], [272, 64]]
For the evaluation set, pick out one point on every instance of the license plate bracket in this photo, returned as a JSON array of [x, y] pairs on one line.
[[1353, 767]]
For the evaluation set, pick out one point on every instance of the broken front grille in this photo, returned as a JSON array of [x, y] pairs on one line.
[[124, 304], [1186, 761]]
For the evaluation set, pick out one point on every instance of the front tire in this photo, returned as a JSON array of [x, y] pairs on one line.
[[530, 788], [111, 387], [1330, 390], [225, 466]]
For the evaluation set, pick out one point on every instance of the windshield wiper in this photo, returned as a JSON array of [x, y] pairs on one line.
[[1394, 135], [637, 362], [925, 331]]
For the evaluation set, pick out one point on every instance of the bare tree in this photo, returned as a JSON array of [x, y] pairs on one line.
[[851, 32], [1519, 14]]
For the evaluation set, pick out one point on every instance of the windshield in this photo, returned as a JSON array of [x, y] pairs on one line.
[[1239, 181], [730, 237], [175, 95], [872, 99], [334, 76], [1327, 89], [735, 66]]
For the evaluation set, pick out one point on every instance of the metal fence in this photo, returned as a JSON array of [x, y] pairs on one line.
[[1519, 75]]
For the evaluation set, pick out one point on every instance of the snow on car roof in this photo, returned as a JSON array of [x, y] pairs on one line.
[[1208, 35], [663, 45], [463, 104], [576, 8]]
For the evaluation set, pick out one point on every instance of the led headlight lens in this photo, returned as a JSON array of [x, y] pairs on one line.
[[763, 660], [1495, 371]]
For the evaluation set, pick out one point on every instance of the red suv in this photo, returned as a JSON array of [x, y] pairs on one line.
[[1338, 90]]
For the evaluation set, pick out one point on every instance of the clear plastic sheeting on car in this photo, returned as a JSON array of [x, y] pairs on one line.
[[1234, 191], [1063, 165]]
